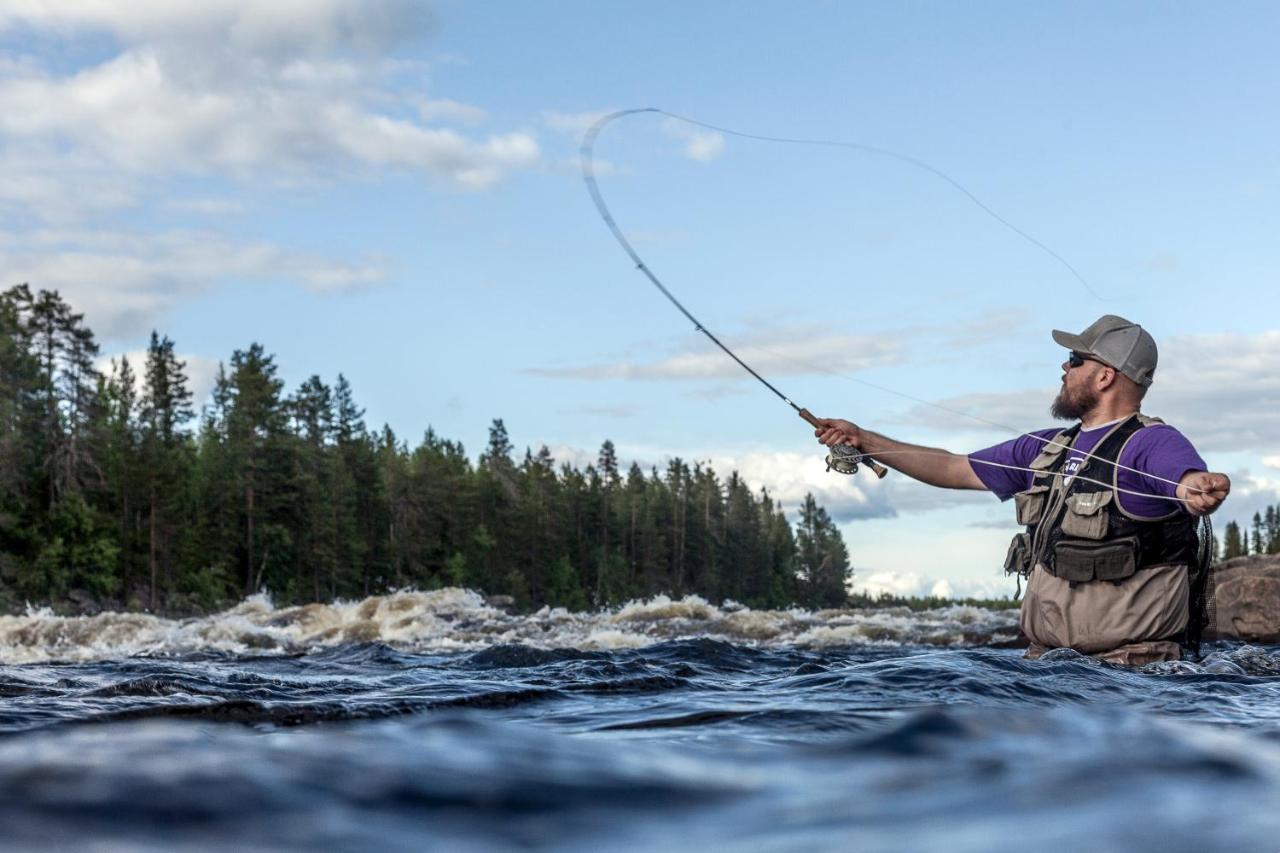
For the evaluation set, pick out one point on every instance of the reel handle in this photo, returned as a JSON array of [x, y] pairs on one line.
[[866, 460]]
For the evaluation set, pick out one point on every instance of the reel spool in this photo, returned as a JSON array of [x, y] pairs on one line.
[[844, 460]]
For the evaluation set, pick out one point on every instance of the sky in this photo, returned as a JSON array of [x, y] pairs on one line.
[[391, 190]]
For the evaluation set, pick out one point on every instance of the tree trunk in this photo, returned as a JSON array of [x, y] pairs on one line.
[[248, 539], [151, 545]]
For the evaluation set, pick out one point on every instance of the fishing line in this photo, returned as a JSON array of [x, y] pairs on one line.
[[1048, 442], [924, 451], [849, 458], [841, 454]]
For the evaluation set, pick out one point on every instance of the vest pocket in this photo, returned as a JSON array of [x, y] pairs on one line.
[[1030, 504], [1018, 559], [1080, 561], [1086, 515]]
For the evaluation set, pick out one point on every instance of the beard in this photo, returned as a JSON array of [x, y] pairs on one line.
[[1073, 407]]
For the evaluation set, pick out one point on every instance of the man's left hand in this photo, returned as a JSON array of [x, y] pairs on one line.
[[1203, 491]]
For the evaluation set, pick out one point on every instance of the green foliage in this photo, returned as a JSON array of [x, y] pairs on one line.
[[1261, 537], [109, 489], [78, 552]]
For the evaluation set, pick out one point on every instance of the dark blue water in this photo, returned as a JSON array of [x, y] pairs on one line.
[[687, 744]]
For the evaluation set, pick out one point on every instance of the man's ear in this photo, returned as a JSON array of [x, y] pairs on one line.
[[1105, 380]]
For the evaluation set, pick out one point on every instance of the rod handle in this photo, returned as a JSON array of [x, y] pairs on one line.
[[875, 466]]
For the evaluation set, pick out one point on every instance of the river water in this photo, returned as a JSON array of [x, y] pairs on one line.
[[430, 721]]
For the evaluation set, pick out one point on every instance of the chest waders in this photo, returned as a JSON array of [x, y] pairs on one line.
[[1077, 530]]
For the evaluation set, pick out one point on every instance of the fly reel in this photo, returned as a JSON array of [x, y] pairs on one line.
[[843, 459]]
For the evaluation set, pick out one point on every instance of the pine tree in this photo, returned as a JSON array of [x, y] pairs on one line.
[[259, 457], [167, 456], [823, 559], [1232, 544]]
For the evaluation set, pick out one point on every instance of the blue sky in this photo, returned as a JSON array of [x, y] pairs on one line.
[[390, 189]]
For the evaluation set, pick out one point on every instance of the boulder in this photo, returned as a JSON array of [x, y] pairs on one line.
[[1248, 599]]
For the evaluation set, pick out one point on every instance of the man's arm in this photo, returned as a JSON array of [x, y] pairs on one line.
[[1203, 491], [930, 465]]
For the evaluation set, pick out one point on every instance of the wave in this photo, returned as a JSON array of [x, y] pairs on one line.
[[451, 620]]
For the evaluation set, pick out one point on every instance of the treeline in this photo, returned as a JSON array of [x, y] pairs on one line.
[[115, 490], [1261, 537]]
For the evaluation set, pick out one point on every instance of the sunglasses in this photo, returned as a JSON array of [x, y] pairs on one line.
[[1075, 359]]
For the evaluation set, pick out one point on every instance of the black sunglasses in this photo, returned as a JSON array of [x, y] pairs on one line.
[[1075, 359]]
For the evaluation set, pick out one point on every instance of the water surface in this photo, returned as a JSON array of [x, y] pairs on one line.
[[431, 721]]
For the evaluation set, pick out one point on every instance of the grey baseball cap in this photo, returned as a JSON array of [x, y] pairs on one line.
[[1114, 340]]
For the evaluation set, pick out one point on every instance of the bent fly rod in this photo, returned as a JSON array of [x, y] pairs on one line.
[[841, 458]]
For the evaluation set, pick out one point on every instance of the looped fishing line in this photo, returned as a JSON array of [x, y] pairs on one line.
[[588, 174]]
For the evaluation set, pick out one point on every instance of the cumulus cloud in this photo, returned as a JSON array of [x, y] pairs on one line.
[[145, 111], [916, 584], [232, 93], [1220, 389], [787, 352], [278, 30], [122, 281]]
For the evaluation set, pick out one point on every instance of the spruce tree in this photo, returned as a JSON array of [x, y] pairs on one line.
[[822, 557]]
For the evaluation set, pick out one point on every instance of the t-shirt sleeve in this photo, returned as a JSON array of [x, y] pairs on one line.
[[1163, 456], [989, 463]]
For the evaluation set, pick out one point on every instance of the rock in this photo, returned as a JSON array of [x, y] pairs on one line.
[[502, 602], [83, 603], [1248, 599]]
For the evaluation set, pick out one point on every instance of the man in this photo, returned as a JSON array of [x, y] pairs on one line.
[[1110, 504]]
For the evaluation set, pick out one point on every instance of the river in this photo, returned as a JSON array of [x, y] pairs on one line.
[[432, 721]]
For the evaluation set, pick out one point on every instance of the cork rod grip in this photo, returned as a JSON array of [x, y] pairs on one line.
[[875, 466]]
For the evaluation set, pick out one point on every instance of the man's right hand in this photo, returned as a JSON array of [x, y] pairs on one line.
[[832, 431]]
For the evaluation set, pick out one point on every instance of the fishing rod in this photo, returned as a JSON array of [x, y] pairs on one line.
[[841, 458]]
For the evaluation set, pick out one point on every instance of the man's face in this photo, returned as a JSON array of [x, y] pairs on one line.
[[1077, 397]]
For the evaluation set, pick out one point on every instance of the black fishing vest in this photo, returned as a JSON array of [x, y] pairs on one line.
[[1077, 529]]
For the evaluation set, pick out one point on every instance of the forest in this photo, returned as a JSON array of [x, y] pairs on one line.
[[1260, 537], [115, 492]]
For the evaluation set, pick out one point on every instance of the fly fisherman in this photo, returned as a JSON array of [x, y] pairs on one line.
[[1110, 505]]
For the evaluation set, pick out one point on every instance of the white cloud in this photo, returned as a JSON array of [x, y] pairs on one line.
[[893, 583], [704, 147], [699, 144], [234, 93], [275, 30], [447, 109], [788, 476], [146, 113], [916, 584], [1222, 390], [790, 352], [122, 281]]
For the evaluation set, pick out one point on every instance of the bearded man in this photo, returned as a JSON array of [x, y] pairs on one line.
[[1111, 551]]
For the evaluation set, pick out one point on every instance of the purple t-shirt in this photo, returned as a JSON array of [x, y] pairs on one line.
[[1158, 450]]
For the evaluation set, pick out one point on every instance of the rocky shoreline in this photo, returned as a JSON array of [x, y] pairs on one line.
[[1248, 599]]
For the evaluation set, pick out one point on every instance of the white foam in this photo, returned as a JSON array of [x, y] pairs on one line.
[[452, 619]]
